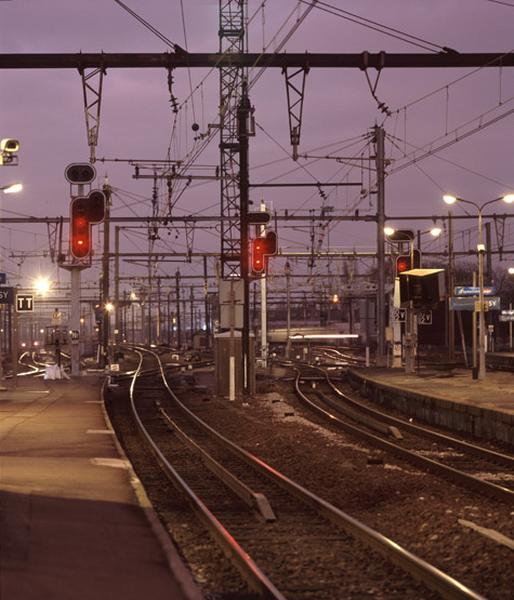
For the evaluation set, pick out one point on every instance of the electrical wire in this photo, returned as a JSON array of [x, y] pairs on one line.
[[381, 28], [501, 2], [497, 60], [187, 50], [450, 162]]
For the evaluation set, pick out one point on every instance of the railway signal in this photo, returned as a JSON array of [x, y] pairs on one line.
[[80, 173], [261, 248], [406, 262], [85, 212]]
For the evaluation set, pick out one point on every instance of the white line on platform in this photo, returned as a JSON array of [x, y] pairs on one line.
[[116, 463], [109, 431]]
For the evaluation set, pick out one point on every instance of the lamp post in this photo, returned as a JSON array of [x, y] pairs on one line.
[[509, 199]]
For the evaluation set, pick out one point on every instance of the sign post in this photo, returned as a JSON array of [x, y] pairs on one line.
[[6, 298]]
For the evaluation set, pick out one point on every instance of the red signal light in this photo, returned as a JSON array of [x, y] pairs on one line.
[[85, 212], [405, 262], [261, 248], [402, 264], [80, 229], [258, 259]]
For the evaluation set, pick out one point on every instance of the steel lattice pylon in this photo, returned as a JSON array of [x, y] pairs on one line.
[[232, 34]]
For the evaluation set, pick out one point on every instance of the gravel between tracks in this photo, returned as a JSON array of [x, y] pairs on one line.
[[415, 509]]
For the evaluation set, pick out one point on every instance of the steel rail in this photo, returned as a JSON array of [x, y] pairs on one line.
[[255, 578], [432, 577], [478, 485], [254, 500], [491, 455]]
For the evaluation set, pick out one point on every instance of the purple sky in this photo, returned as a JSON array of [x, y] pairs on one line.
[[44, 110]]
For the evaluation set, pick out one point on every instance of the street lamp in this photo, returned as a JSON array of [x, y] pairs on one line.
[[13, 188], [509, 199]]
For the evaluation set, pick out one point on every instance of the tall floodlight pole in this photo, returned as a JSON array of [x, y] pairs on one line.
[[379, 136], [509, 199]]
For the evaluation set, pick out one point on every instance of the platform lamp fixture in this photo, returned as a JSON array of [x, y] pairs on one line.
[[509, 199]]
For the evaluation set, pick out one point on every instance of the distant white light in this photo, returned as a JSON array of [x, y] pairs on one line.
[[508, 198], [323, 336], [511, 270], [13, 189], [42, 285], [435, 231], [449, 199], [389, 230]]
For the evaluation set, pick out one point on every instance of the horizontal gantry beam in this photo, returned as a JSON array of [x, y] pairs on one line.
[[363, 60]]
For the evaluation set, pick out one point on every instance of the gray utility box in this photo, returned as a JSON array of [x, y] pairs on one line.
[[222, 353]]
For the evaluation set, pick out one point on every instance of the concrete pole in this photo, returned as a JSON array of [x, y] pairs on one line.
[[104, 355], [232, 347], [243, 114], [381, 357], [179, 320], [14, 346], [264, 305], [510, 328], [481, 316], [206, 305], [288, 291], [192, 312], [159, 322], [451, 285], [117, 309], [474, 324], [75, 320]]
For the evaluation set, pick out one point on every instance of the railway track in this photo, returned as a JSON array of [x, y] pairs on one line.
[[461, 462], [292, 549]]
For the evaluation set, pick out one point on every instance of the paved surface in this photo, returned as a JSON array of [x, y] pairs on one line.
[[71, 526], [496, 392]]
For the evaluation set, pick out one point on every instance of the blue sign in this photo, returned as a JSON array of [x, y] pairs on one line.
[[6, 295], [471, 303], [3, 278], [473, 290]]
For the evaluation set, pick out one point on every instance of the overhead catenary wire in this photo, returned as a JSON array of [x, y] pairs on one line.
[[381, 28], [509, 4], [448, 161]]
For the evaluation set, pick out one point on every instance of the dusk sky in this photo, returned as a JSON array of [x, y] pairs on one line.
[[44, 110]]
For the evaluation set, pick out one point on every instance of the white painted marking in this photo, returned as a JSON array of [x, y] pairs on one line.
[[108, 431], [93, 402], [115, 463]]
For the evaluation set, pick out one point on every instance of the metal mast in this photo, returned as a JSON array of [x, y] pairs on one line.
[[232, 34]]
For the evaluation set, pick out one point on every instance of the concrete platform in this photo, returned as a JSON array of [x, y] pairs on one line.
[[71, 523], [483, 409]]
